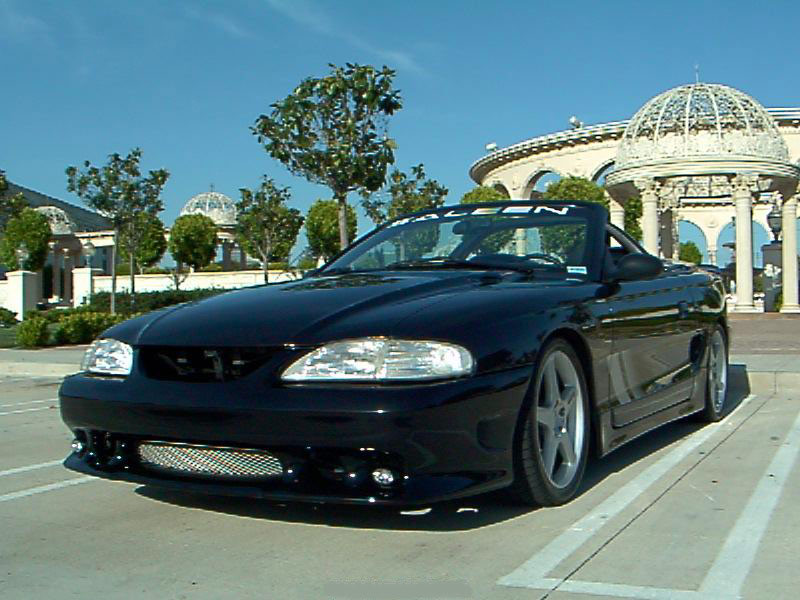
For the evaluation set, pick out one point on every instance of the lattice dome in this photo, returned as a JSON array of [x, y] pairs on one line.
[[700, 121], [218, 207], [60, 223]]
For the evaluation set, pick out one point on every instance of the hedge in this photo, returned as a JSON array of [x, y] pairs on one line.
[[147, 301], [82, 328], [32, 333]]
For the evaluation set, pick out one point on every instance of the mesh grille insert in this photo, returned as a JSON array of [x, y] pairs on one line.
[[208, 461]]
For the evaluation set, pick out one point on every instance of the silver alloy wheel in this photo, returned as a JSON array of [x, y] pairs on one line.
[[717, 371], [560, 420]]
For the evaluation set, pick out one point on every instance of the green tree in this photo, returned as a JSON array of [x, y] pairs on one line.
[[31, 232], [483, 193], [576, 188], [333, 131], [193, 241], [633, 215], [10, 206], [689, 252], [118, 191], [497, 241], [150, 243], [322, 227], [408, 194], [265, 226]]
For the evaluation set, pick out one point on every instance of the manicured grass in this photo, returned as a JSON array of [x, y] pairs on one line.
[[8, 337]]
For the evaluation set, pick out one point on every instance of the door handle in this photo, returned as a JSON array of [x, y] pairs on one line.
[[683, 309]]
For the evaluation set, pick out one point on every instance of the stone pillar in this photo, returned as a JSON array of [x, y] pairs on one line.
[[57, 254], [789, 258], [649, 192], [712, 255], [69, 264], [520, 242], [743, 200], [616, 212], [22, 292], [226, 255], [83, 284]]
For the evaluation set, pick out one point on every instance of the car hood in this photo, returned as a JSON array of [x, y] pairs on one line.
[[320, 309]]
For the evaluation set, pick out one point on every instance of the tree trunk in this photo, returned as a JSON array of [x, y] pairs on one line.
[[133, 282], [114, 274], [341, 198]]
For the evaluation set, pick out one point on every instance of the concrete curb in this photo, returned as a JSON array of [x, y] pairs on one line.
[[32, 369]]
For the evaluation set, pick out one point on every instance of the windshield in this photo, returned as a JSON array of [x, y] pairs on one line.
[[546, 239]]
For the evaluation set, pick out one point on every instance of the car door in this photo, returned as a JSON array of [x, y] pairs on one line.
[[653, 324]]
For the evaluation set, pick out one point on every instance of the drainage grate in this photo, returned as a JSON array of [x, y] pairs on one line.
[[208, 461]]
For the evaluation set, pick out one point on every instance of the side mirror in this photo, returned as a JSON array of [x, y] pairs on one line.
[[633, 267]]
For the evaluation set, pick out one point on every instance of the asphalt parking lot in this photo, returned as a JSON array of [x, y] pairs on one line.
[[684, 512]]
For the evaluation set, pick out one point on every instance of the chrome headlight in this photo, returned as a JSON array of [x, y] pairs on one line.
[[380, 359], [108, 357]]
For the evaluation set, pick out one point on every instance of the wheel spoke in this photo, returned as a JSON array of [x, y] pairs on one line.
[[550, 446], [551, 383], [568, 398], [546, 416], [566, 444]]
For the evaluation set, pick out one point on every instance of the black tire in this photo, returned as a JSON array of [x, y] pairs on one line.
[[716, 367], [535, 483]]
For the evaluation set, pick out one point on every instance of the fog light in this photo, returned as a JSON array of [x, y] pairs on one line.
[[383, 477], [77, 446]]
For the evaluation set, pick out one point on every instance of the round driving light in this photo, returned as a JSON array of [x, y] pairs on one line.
[[383, 476], [77, 446]]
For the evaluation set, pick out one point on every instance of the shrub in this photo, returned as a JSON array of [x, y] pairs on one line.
[[7, 318], [147, 301], [32, 333], [82, 328]]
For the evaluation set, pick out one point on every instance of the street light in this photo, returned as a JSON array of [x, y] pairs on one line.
[[775, 221], [22, 256], [88, 251]]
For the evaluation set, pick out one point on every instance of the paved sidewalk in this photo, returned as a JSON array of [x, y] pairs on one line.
[[46, 362]]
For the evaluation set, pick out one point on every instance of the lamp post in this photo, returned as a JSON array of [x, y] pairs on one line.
[[88, 252], [22, 256]]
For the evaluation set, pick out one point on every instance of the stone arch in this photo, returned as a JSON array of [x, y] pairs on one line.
[[689, 231], [538, 182], [500, 187], [606, 168], [727, 235]]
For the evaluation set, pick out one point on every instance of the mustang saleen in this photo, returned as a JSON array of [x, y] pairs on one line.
[[449, 352]]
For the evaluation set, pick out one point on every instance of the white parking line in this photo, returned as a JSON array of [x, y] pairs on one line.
[[24, 410], [46, 488], [43, 465], [533, 571], [28, 402], [733, 563]]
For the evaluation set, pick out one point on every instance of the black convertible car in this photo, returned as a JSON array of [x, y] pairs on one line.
[[447, 353]]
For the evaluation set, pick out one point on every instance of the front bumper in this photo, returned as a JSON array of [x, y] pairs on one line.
[[442, 440]]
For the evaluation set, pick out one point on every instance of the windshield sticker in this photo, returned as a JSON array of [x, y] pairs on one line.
[[576, 270]]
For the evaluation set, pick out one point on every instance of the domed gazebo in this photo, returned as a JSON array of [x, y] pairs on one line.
[[697, 151], [222, 210]]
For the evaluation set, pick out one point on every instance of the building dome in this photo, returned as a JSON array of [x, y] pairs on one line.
[[699, 122], [218, 207]]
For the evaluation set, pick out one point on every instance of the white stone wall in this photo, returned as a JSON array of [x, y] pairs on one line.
[[223, 279], [3, 294]]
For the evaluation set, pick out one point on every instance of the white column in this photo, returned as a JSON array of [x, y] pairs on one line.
[[649, 193], [22, 292], [616, 212], [789, 258], [83, 284], [712, 255], [69, 265], [57, 252], [743, 200]]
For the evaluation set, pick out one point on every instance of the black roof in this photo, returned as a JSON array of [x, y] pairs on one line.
[[85, 220]]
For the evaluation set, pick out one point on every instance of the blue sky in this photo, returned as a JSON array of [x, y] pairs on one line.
[[185, 80]]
